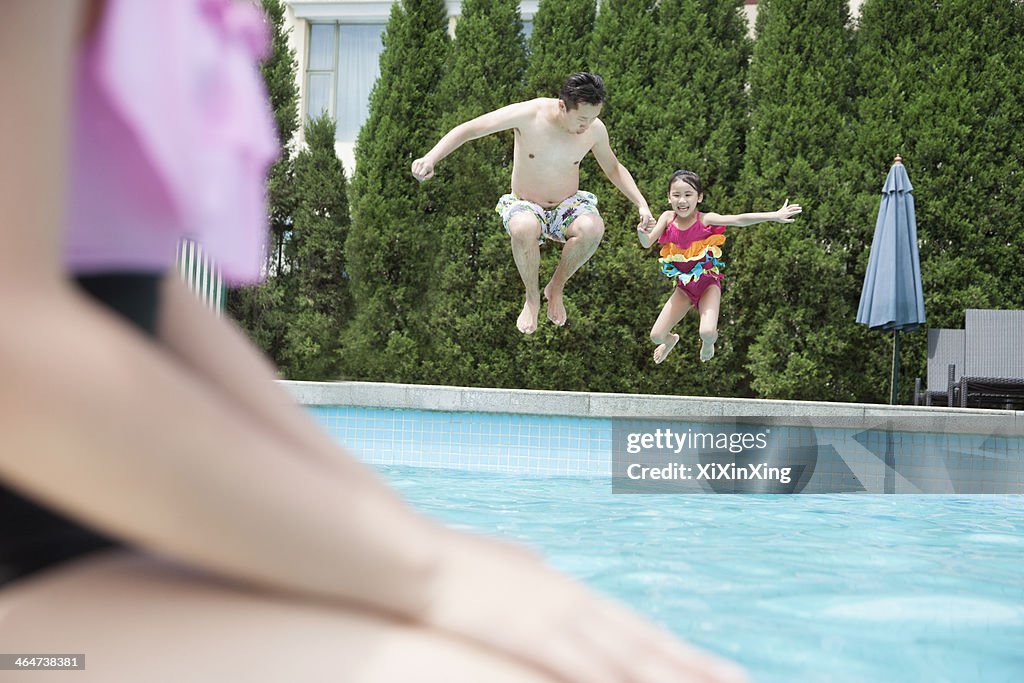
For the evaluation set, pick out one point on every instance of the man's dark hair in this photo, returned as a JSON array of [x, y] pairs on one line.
[[582, 87]]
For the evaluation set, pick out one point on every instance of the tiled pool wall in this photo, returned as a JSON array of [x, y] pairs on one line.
[[574, 434], [528, 444]]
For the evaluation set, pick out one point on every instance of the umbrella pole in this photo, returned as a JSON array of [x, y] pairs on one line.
[[895, 366]]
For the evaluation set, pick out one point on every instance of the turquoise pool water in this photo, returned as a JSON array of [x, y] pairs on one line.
[[844, 588]]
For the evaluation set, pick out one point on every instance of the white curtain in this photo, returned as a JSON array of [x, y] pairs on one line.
[[359, 48], [320, 70]]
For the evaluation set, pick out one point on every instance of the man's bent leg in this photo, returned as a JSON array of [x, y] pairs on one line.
[[584, 235], [524, 228]]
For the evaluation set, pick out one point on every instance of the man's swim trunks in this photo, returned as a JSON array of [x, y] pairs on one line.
[[691, 257], [553, 222]]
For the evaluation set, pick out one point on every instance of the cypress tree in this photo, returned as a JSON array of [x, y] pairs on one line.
[[279, 73], [790, 304], [889, 43], [607, 327], [699, 92], [559, 47], [624, 53], [323, 303], [470, 319], [967, 178], [941, 86], [700, 103], [559, 44], [389, 248], [263, 310]]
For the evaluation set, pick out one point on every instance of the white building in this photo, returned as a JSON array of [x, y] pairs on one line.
[[338, 43]]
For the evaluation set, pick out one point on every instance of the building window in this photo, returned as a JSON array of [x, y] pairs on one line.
[[342, 66]]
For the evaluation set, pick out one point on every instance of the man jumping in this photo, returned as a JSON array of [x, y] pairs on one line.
[[551, 138]]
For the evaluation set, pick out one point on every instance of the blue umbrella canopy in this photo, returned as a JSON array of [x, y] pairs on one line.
[[891, 298]]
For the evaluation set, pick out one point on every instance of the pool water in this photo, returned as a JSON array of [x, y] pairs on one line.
[[844, 588]]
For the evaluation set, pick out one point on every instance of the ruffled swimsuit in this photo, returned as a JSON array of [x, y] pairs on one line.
[[692, 257]]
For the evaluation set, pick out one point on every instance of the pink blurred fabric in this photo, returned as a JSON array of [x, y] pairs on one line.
[[172, 137]]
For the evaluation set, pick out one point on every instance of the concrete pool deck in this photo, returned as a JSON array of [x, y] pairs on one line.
[[830, 447], [606, 405]]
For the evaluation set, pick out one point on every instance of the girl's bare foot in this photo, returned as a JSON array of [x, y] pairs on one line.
[[661, 353], [707, 348]]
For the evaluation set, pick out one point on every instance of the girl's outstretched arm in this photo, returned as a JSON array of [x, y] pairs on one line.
[[783, 215], [649, 237]]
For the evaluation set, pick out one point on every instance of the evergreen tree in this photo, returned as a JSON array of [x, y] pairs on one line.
[[967, 178], [389, 251], [607, 328], [889, 42], [468, 319], [323, 304], [790, 304], [263, 310], [559, 44], [624, 52], [700, 74], [700, 103], [279, 74], [941, 86]]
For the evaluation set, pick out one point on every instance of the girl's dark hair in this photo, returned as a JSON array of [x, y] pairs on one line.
[[688, 177], [582, 87]]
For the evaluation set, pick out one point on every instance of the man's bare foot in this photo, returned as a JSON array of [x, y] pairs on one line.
[[527, 322], [556, 307], [661, 353], [707, 349]]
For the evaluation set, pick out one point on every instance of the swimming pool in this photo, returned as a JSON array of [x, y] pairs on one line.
[[843, 588]]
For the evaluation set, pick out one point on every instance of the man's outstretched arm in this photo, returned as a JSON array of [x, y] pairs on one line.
[[491, 122], [619, 175]]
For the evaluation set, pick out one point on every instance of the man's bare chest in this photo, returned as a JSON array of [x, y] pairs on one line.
[[559, 150]]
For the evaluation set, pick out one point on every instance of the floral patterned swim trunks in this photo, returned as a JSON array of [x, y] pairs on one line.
[[553, 222]]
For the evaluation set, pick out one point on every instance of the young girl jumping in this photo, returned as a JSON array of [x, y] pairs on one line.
[[691, 256]]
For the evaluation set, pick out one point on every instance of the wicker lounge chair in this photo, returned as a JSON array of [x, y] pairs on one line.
[[945, 363], [993, 373]]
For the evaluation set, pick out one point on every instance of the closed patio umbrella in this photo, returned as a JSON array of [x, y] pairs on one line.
[[891, 298]]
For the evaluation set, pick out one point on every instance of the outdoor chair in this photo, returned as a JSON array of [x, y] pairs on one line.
[[945, 364], [993, 372]]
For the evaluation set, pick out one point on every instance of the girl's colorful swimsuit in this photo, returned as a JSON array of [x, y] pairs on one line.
[[692, 257]]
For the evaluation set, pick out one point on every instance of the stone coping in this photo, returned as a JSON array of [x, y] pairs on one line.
[[634, 406]]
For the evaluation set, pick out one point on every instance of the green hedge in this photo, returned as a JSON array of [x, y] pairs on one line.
[[813, 110]]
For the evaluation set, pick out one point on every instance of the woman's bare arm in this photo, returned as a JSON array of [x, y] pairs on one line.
[[138, 440], [114, 430]]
